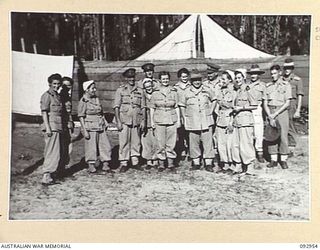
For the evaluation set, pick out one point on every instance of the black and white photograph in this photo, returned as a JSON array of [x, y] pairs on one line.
[[190, 116]]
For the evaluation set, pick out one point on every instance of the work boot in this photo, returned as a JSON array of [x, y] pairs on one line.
[[161, 166], [272, 164], [149, 165], [171, 165], [195, 165], [106, 168], [92, 169], [260, 157], [124, 166], [47, 179], [238, 168], [284, 165], [208, 165]]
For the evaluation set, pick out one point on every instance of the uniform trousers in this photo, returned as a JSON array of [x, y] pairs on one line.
[[292, 128], [129, 142], [258, 128], [204, 136], [52, 152], [149, 142], [280, 145], [224, 143], [166, 141], [98, 144], [242, 145]]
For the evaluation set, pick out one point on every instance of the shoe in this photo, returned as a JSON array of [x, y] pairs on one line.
[[92, 169], [124, 168], [161, 169], [209, 168], [105, 167], [284, 165], [291, 154], [47, 179], [171, 163], [260, 158], [138, 167], [148, 167], [257, 166], [195, 167], [173, 170], [272, 164]]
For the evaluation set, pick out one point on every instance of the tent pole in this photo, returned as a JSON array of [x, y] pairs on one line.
[[198, 36]]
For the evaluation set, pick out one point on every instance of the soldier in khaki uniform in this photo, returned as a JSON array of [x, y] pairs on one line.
[[129, 104], [224, 127], [258, 91], [243, 151], [182, 140], [213, 81], [296, 101], [148, 70], [93, 126], [148, 140], [278, 94], [196, 108], [51, 110], [164, 117]]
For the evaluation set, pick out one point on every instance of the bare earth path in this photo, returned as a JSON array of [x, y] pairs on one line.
[[267, 195]]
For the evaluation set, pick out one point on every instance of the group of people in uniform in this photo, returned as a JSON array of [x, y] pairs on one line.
[[217, 122]]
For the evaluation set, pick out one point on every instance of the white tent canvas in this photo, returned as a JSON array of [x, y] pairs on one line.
[[218, 43], [29, 79]]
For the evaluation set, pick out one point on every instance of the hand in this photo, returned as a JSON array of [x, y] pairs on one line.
[[272, 116], [49, 132], [229, 129], [237, 109], [296, 114], [119, 126], [70, 125], [86, 135], [272, 122]]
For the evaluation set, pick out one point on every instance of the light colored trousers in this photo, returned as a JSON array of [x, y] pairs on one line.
[[98, 144], [204, 136], [258, 128], [242, 145], [149, 147], [224, 144], [129, 142], [166, 136], [52, 154]]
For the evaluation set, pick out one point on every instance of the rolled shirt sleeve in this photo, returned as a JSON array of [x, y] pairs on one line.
[[82, 108], [45, 102], [288, 93], [300, 90], [117, 99]]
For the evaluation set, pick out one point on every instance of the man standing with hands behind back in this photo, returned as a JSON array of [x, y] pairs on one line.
[[129, 103]]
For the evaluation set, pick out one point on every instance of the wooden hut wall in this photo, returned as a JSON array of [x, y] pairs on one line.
[[108, 75]]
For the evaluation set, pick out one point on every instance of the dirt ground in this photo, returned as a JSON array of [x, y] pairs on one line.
[[267, 194]]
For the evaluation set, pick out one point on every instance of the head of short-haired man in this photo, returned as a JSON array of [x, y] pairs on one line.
[[275, 72], [54, 81]]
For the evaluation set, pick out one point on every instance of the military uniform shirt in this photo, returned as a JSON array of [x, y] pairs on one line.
[[197, 106], [130, 102], [225, 100], [50, 102], [296, 85], [181, 87], [91, 109], [258, 91], [277, 93], [165, 101], [243, 98]]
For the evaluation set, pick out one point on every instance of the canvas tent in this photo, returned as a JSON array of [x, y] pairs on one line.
[[185, 40]]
